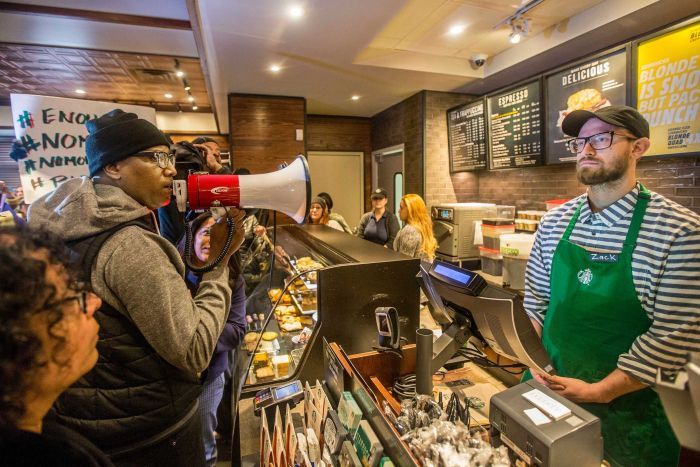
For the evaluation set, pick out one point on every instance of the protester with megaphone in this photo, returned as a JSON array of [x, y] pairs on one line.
[[139, 403]]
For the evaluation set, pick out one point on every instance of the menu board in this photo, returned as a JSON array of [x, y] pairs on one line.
[[668, 83], [589, 85], [515, 120], [466, 135]]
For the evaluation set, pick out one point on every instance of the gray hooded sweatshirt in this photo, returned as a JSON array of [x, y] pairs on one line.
[[140, 273]]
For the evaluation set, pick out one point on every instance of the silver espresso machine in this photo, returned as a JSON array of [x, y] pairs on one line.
[[453, 227]]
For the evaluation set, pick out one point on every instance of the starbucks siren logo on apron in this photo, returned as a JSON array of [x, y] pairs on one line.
[[585, 276]]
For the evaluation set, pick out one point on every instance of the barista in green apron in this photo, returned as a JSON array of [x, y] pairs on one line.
[[594, 315]]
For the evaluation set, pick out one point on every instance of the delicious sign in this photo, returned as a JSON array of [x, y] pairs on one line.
[[589, 85]]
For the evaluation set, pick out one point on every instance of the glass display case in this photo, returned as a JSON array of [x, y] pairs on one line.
[[323, 283]]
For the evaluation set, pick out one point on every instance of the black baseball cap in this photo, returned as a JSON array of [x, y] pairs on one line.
[[379, 193], [617, 115]]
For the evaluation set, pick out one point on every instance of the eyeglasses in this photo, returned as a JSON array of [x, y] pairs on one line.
[[162, 159], [80, 297], [598, 141]]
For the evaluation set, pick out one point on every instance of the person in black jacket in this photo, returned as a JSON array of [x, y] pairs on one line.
[[48, 337], [213, 378]]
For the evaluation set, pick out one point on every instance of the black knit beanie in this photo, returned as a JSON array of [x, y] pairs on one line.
[[117, 135]]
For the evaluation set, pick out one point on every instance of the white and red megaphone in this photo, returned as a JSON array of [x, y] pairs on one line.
[[288, 190]]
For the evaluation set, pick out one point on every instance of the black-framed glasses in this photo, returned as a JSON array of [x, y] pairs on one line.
[[598, 141], [80, 297], [161, 158]]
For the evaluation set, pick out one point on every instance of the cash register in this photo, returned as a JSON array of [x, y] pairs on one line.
[[537, 424]]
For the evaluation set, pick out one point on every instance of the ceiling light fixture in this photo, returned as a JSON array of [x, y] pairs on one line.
[[456, 30], [275, 68], [178, 72], [519, 26], [168, 95], [186, 84], [80, 91], [190, 98], [194, 107], [355, 98], [296, 11], [179, 109]]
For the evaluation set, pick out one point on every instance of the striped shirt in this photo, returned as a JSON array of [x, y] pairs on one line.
[[665, 270]]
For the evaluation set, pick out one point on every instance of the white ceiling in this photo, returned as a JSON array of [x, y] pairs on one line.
[[381, 50]]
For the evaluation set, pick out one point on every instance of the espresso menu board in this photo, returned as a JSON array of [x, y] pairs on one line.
[[589, 85], [515, 120], [466, 133]]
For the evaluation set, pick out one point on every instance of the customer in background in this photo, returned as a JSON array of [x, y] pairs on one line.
[[214, 377], [48, 337], [318, 214], [416, 238], [334, 216], [611, 322], [380, 225], [212, 154], [139, 404]]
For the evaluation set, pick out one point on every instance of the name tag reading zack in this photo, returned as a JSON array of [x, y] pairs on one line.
[[604, 257]]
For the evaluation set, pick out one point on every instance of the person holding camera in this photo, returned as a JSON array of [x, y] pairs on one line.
[[139, 404]]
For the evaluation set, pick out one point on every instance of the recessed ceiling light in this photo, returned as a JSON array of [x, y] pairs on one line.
[[179, 73], [188, 87], [194, 107], [190, 98], [355, 97], [456, 30], [168, 95], [80, 91], [515, 37], [275, 68], [296, 11]]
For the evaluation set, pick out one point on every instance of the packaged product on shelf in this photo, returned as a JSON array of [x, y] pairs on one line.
[[348, 456], [313, 445], [367, 445], [334, 433], [250, 340], [349, 413]]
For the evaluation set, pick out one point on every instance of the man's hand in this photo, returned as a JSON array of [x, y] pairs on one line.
[[210, 158], [219, 233], [573, 389]]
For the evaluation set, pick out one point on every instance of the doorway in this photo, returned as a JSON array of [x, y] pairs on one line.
[[340, 174], [387, 165]]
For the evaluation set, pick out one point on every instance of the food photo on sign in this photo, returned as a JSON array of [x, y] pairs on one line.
[[588, 85]]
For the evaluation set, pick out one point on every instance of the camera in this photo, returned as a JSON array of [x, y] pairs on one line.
[[478, 60]]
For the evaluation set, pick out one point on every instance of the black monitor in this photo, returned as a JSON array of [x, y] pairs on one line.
[[494, 315]]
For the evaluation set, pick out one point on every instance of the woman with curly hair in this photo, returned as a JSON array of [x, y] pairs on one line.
[[416, 238], [48, 338]]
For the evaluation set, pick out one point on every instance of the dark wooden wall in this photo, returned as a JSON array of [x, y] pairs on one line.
[[352, 134], [262, 130]]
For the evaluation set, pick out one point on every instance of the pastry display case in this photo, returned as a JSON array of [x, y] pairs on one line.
[[324, 283]]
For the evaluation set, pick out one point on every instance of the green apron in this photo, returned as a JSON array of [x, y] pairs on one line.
[[594, 315]]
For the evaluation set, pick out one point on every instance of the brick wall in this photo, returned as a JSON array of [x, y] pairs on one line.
[[677, 178], [403, 124], [440, 186]]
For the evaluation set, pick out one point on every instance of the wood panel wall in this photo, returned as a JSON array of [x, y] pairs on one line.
[[351, 134], [262, 130]]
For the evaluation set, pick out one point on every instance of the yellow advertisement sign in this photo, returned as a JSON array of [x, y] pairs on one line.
[[668, 90]]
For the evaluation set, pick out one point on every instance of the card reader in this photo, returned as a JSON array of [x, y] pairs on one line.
[[388, 327], [268, 398]]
